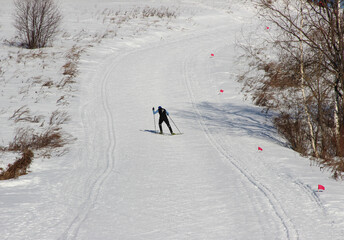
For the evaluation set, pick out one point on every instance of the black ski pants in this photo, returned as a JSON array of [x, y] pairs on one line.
[[164, 119]]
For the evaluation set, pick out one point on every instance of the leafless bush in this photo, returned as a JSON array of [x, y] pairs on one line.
[[337, 168], [294, 131], [27, 138], [36, 21]]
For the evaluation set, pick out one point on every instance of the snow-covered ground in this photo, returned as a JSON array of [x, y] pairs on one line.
[[117, 179]]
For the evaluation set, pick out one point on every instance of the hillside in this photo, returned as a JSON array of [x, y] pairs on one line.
[[116, 178]]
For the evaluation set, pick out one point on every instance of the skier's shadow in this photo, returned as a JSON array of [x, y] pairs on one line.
[[149, 131]]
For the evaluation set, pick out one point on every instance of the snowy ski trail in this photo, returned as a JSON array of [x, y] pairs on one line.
[[290, 231], [218, 140], [176, 187], [92, 188], [122, 182]]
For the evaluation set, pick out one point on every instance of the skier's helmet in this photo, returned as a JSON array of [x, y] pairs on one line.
[[159, 107]]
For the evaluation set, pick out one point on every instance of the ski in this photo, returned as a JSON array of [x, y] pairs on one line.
[[157, 132], [168, 134]]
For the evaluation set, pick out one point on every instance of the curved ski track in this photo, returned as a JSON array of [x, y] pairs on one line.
[[95, 186], [291, 232], [286, 222]]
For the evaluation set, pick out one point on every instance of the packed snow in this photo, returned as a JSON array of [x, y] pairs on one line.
[[228, 176]]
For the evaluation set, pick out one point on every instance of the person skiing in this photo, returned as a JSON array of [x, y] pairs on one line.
[[163, 118]]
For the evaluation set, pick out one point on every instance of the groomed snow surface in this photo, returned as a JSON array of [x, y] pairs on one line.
[[121, 181]]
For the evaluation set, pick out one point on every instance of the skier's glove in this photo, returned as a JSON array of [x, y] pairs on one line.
[[153, 109]]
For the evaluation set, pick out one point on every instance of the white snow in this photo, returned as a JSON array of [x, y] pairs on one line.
[[118, 180]]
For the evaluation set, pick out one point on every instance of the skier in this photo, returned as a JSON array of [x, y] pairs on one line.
[[163, 118]]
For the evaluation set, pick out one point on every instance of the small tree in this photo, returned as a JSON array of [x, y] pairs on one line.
[[37, 21]]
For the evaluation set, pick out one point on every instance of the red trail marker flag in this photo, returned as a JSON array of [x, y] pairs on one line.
[[260, 149], [321, 187]]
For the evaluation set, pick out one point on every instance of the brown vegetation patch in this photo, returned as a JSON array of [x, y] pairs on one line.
[[27, 138], [19, 167]]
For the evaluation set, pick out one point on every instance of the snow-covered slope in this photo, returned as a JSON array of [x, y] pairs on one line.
[[121, 181]]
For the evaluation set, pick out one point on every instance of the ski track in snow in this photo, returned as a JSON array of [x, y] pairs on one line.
[[96, 185], [287, 224], [290, 231], [94, 188], [102, 143]]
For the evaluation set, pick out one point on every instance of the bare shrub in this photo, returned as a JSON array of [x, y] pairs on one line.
[[36, 21], [23, 115], [292, 129], [19, 167], [337, 168], [27, 138]]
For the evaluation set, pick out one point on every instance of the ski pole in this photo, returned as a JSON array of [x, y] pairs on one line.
[[174, 124], [154, 120]]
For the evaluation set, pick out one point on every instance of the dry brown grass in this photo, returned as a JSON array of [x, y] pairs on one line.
[[162, 12], [27, 138], [23, 114], [19, 167], [70, 69], [58, 117]]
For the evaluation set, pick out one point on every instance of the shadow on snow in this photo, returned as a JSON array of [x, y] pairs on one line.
[[234, 119]]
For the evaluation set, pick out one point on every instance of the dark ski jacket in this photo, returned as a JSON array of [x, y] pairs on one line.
[[162, 112]]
